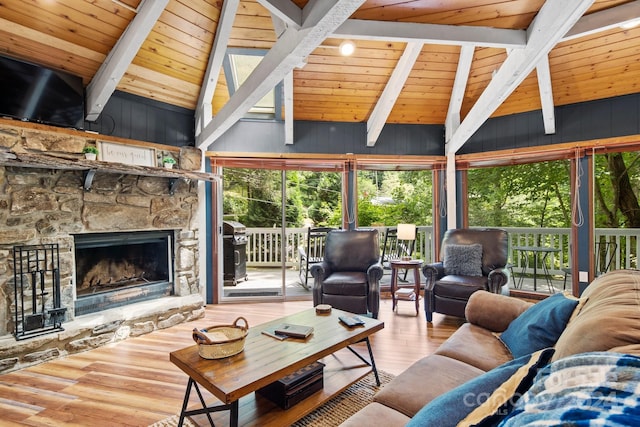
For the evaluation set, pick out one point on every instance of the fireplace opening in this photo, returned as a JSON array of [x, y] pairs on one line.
[[115, 269]]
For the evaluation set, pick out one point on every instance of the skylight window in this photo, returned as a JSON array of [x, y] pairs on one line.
[[239, 64]]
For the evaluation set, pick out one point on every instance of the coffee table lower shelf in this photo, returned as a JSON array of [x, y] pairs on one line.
[[342, 369]]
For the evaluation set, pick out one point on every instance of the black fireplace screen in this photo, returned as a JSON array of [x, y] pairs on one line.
[[37, 290]]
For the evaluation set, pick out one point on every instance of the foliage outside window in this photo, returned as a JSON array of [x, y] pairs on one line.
[[530, 195], [538, 194], [616, 188], [253, 197], [389, 198]]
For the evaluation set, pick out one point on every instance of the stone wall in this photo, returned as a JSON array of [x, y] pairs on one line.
[[39, 206]]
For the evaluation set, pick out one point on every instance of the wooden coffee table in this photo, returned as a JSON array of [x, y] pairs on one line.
[[264, 360]]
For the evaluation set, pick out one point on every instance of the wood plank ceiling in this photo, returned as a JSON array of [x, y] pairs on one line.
[[454, 62]]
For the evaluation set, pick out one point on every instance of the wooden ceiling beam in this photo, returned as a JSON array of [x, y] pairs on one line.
[[285, 10], [204, 109], [457, 93], [392, 90], [288, 109], [604, 20], [546, 95], [106, 79], [459, 35], [549, 26], [289, 51]]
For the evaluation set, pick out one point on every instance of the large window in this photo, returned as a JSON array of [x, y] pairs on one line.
[[387, 198], [529, 195], [533, 203], [278, 200]]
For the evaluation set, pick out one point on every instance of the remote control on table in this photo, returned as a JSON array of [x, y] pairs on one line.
[[351, 321]]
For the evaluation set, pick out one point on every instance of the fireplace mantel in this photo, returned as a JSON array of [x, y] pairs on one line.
[[46, 161], [34, 145], [90, 167]]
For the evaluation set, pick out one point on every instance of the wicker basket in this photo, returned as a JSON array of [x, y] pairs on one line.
[[221, 341]]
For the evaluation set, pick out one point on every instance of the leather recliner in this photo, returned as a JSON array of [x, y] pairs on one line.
[[349, 276], [449, 293]]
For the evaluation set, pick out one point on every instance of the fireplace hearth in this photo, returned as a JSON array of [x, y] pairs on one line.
[[114, 269]]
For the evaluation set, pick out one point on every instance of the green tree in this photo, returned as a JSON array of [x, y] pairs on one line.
[[390, 198], [617, 178], [531, 195]]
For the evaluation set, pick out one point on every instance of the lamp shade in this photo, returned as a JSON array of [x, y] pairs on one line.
[[406, 232]]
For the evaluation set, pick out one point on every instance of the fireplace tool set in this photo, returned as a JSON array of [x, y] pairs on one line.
[[37, 290]]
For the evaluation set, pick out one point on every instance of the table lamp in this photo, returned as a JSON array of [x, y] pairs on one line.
[[407, 232]]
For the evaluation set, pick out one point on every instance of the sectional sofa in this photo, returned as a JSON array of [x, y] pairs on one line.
[[514, 363]]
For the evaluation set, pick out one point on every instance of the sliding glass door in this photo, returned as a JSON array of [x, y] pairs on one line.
[[272, 211]]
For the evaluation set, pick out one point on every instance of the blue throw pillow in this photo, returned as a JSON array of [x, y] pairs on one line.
[[450, 408], [539, 326]]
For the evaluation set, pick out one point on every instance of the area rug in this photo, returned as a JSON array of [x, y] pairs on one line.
[[332, 413]]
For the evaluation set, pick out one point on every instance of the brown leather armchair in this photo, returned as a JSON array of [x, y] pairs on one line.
[[448, 286], [349, 276]]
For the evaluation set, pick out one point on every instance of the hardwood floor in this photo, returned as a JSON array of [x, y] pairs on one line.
[[133, 383]]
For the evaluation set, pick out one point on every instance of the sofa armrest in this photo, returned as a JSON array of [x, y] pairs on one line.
[[493, 311], [497, 279], [319, 271], [432, 272], [375, 272]]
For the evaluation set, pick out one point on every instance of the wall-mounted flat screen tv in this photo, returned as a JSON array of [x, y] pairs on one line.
[[38, 94]]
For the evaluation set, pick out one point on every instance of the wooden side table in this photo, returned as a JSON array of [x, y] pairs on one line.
[[398, 264]]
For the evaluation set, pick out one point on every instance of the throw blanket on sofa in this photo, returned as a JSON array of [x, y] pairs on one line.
[[588, 389]]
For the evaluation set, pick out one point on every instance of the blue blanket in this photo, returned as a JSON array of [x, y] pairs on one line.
[[588, 389]]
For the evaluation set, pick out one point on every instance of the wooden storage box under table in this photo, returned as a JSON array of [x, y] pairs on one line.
[[294, 388]]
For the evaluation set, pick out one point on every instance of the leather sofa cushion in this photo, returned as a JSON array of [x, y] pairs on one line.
[[376, 415], [459, 287], [423, 381], [350, 303], [351, 250], [346, 283], [475, 346], [494, 311], [609, 316]]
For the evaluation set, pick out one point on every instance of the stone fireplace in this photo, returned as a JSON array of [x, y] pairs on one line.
[[128, 245]]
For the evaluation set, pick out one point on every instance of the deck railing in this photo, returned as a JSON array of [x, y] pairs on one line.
[[264, 246]]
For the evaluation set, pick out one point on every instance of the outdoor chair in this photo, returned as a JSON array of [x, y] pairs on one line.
[[470, 260], [311, 252], [349, 276], [393, 248], [604, 254]]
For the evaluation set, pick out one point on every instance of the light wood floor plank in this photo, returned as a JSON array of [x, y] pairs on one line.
[[133, 383]]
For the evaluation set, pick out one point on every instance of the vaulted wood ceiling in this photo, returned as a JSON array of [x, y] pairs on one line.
[[454, 62]]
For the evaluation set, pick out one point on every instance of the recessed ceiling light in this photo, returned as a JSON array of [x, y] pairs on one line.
[[347, 47]]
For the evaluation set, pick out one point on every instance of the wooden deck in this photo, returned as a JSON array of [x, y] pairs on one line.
[[264, 283]]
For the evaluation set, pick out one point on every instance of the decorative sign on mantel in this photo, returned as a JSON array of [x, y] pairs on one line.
[[127, 154]]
